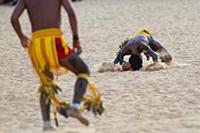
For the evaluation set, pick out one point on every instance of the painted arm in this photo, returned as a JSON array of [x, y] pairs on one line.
[[149, 51], [16, 25], [164, 54], [152, 54], [73, 24], [72, 16], [119, 58], [158, 46], [121, 53]]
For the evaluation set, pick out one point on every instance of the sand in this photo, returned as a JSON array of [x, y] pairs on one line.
[[164, 101]]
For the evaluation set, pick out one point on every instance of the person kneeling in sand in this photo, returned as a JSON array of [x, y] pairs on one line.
[[142, 42]]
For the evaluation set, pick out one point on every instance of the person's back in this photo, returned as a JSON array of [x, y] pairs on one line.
[[134, 46], [44, 13]]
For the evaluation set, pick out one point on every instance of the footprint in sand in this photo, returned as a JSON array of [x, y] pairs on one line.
[[154, 66], [108, 67]]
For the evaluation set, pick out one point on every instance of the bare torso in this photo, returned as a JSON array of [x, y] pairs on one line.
[[44, 13], [134, 45]]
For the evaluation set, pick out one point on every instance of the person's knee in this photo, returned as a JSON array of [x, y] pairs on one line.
[[85, 70], [77, 65]]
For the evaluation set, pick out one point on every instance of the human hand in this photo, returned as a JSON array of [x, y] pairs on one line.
[[76, 47], [126, 66], [76, 44], [25, 41]]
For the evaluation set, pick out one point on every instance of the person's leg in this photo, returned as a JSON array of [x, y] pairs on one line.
[[75, 64], [45, 110], [79, 67]]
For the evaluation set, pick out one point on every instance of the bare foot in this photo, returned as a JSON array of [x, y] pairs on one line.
[[74, 113]]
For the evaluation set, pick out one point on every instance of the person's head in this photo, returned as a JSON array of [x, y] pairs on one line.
[[126, 66], [135, 62]]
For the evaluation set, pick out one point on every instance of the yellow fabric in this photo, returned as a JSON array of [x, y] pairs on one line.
[[94, 91], [91, 87], [55, 102], [142, 32], [43, 54], [83, 76]]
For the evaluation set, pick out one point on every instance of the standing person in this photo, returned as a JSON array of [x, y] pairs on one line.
[[49, 52]]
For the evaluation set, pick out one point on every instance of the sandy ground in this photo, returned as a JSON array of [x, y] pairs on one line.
[[165, 101]]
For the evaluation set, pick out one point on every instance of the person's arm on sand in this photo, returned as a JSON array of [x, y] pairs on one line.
[[147, 55], [73, 23], [120, 55], [119, 58], [152, 54], [16, 25], [164, 54], [149, 51]]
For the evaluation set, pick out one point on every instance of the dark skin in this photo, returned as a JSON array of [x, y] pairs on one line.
[[45, 19], [136, 46], [164, 54], [140, 43], [44, 14]]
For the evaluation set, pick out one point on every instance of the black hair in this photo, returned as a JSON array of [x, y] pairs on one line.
[[135, 61]]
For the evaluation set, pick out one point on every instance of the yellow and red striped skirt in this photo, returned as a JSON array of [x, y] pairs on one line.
[[47, 48]]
